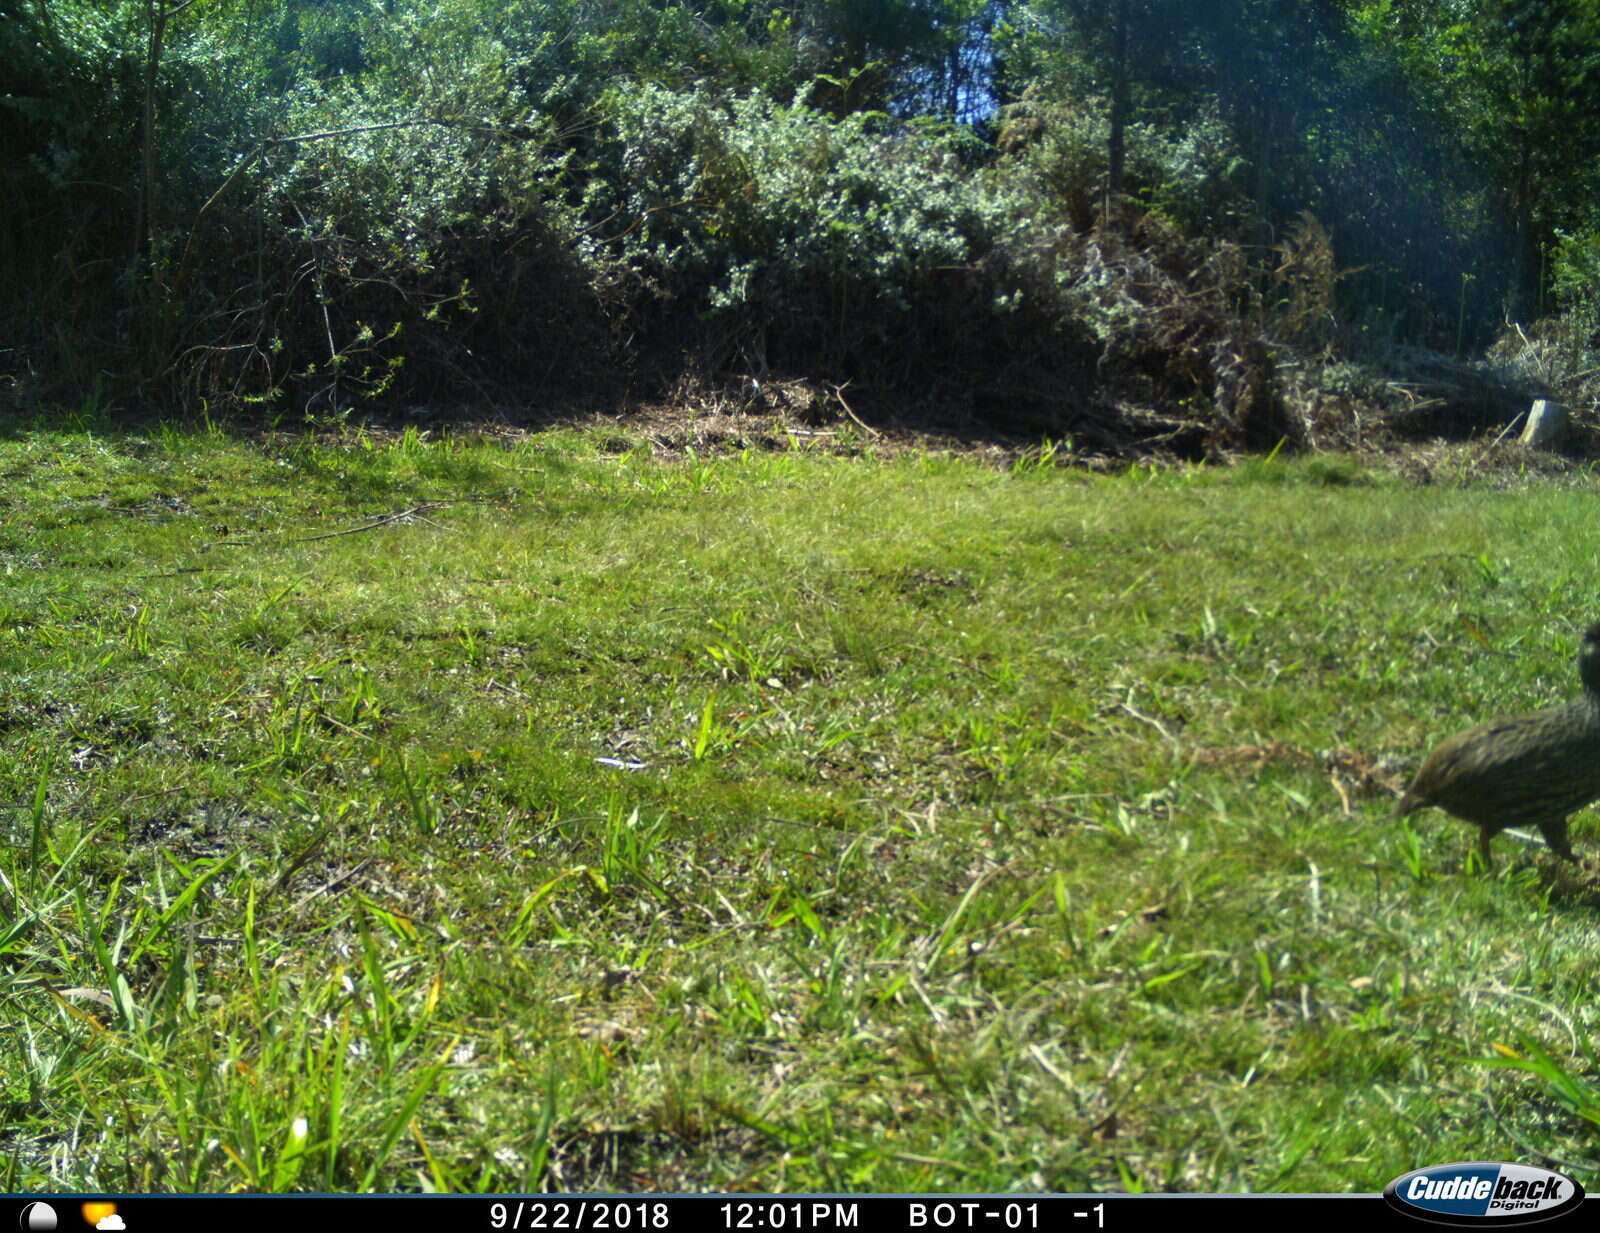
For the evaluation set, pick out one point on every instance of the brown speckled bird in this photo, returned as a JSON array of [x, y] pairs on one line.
[[1522, 770]]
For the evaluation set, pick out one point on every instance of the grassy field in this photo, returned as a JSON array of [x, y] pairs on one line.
[[473, 815]]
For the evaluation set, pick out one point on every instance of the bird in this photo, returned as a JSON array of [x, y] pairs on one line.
[[1521, 770]]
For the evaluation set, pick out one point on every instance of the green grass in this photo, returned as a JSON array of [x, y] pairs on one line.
[[938, 855]]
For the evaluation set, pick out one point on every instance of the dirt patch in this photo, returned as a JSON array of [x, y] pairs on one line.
[[1351, 772]]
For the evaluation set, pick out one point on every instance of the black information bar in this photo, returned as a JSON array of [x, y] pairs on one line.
[[727, 1213]]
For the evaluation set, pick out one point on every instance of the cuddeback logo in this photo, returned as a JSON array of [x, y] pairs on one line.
[[1483, 1192]]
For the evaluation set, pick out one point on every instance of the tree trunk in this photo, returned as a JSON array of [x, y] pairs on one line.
[[1116, 155]]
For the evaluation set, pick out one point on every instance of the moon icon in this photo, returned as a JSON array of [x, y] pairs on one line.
[[37, 1218]]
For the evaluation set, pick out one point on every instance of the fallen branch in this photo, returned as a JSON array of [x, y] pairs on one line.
[[838, 392], [382, 520]]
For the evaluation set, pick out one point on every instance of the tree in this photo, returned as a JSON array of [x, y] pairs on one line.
[[1518, 81]]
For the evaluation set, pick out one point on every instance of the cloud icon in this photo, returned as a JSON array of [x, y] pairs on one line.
[[112, 1221]]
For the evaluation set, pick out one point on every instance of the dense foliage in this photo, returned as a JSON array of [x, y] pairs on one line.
[[311, 207]]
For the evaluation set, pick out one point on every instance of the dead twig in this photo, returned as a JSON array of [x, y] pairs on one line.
[[1515, 420], [1127, 705], [838, 392], [328, 887], [382, 520]]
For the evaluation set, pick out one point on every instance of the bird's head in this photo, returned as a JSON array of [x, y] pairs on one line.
[[1589, 659]]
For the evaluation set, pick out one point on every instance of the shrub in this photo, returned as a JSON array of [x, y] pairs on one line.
[[799, 240], [1193, 178]]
